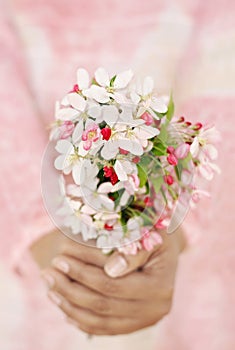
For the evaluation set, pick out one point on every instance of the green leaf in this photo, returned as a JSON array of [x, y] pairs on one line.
[[123, 222], [164, 195], [142, 174], [178, 170], [159, 115], [157, 183], [171, 109], [112, 80], [145, 161], [163, 134], [159, 149], [147, 220]]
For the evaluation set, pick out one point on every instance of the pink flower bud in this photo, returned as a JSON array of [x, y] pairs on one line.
[[108, 227], [197, 126], [66, 129], [147, 117], [169, 179], [182, 151], [170, 149], [123, 151], [148, 201], [76, 88], [136, 159], [180, 120], [106, 133], [172, 160]]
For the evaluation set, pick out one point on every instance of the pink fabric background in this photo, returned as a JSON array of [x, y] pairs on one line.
[[186, 45]]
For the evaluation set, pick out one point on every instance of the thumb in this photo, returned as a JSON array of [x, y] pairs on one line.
[[120, 265]]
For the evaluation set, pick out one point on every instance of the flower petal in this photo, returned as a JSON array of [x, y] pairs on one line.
[[77, 101], [211, 151], [182, 151], [102, 77], [82, 78], [148, 86], [59, 162], [131, 146], [109, 150], [159, 105], [77, 133], [105, 187], [122, 176], [98, 93], [123, 79], [145, 132], [110, 114], [67, 114], [194, 148], [64, 146], [76, 173]]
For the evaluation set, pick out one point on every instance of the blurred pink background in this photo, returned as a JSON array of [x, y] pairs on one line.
[[187, 46]]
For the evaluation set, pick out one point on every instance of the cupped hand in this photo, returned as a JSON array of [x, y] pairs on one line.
[[81, 283]]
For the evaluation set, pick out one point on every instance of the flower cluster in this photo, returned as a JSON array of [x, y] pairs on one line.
[[125, 160]]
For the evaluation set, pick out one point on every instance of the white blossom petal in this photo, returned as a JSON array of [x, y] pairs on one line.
[[131, 146], [123, 79], [135, 97], [211, 151], [67, 113], [82, 78], [194, 148], [105, 187], [102, 77], [124, 199], [98, 93], [148, 86], [145, 132], [76, 173], [63, 146], [77, 101], [110, 114], [109, 150], [121, 174], [77, 133], [158, 105], [59, 162]]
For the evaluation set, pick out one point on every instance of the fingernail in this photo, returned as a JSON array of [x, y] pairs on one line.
[[116, 266], [61, 265], [49, 280], [55, 298]]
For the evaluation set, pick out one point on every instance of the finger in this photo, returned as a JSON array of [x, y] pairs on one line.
[[96, 279], [88, 254], [101, 325], [119, 265], [86, 298]]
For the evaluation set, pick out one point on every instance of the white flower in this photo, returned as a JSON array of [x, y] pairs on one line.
[[143, 95], [79, 221], [71, 160], [203, 149], [105, 90], [203, 143], [93, 197], [83, 79], [108, 241]]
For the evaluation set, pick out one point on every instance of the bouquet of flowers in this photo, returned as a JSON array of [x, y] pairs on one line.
[[125, 161]]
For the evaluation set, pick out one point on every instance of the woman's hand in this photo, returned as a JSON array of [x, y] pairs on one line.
[[101, 305]]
